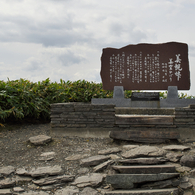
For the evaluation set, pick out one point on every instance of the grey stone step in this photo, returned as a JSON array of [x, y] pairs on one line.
[[150, 136], [144, 111], [171, 191], [129, 181], [143, 119], [149, 169]]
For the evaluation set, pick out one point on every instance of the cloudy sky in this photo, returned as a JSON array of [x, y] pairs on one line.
[[64, 38]]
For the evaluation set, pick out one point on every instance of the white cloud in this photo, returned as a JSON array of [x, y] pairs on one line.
[[64, 38]]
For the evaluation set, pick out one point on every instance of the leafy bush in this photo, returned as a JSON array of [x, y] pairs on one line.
[[21, 99]]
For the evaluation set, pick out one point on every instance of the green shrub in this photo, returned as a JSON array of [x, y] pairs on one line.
[[22, 99]]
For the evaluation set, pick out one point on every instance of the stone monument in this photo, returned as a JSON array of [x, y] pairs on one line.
[[146, 67]]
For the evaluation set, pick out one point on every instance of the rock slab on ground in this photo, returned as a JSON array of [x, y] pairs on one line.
[[40, 139], [171, 191], [91, 180], [94, 160], [43, 171], [143, 151], [155, 169], [127, 181]]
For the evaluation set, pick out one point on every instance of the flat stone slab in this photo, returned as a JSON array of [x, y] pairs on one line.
[[143, 119], [109, 151], [176, 147], [144, 151], [148, 136], [5, 192], [5, 171], [6, 183], [35, 193], [127, 181], [162, 184], [155, 169], [102, 165], [54, 180], [170, 191], [18, 189], [43, 171], [174, 157], [89, 191], [94, 160], [144, 161], [40, 139], [67, 190], [47, 156], [91, 180]]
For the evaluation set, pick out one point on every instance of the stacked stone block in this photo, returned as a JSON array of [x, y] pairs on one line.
[[185, 117], [82, 115]]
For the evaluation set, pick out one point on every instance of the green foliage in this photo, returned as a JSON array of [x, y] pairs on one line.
[[22, 99]]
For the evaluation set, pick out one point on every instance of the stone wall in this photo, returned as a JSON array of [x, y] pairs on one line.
[[87, 116], [185, 117], [82, 115]]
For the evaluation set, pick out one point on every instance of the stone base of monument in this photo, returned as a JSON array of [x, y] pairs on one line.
[[118, 98], [144, 99]]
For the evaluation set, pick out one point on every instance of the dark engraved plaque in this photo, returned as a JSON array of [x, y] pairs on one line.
[[146, 67], [145, 96]]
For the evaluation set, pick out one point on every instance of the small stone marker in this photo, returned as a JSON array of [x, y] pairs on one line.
[[146, 67]]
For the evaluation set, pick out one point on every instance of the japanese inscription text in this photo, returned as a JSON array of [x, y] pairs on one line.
[[147, 66]]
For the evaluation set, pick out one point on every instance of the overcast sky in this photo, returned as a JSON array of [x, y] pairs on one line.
[[63, 39]]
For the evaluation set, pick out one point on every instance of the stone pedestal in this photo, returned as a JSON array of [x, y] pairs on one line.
[[172, 92], [118, 92]]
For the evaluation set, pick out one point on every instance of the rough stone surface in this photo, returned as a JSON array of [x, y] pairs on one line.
[[142, 161], [102, 166], [53, 180], [129, 147], [5, 192], [5, 171], [143, 151], [89, 191], [128, 181], [162, 184], [186, 185], [22, 171], [176, 147], [174, 157], [83, 170], [91, 180], [94, 160], [69, 190], [6, 183], [18, 189], [42, 171], [171, 191], [47, 156], [35, 193], [183, 169], [40, 139], [155, 169], [109, 151], [188, 160], [22, 180]]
